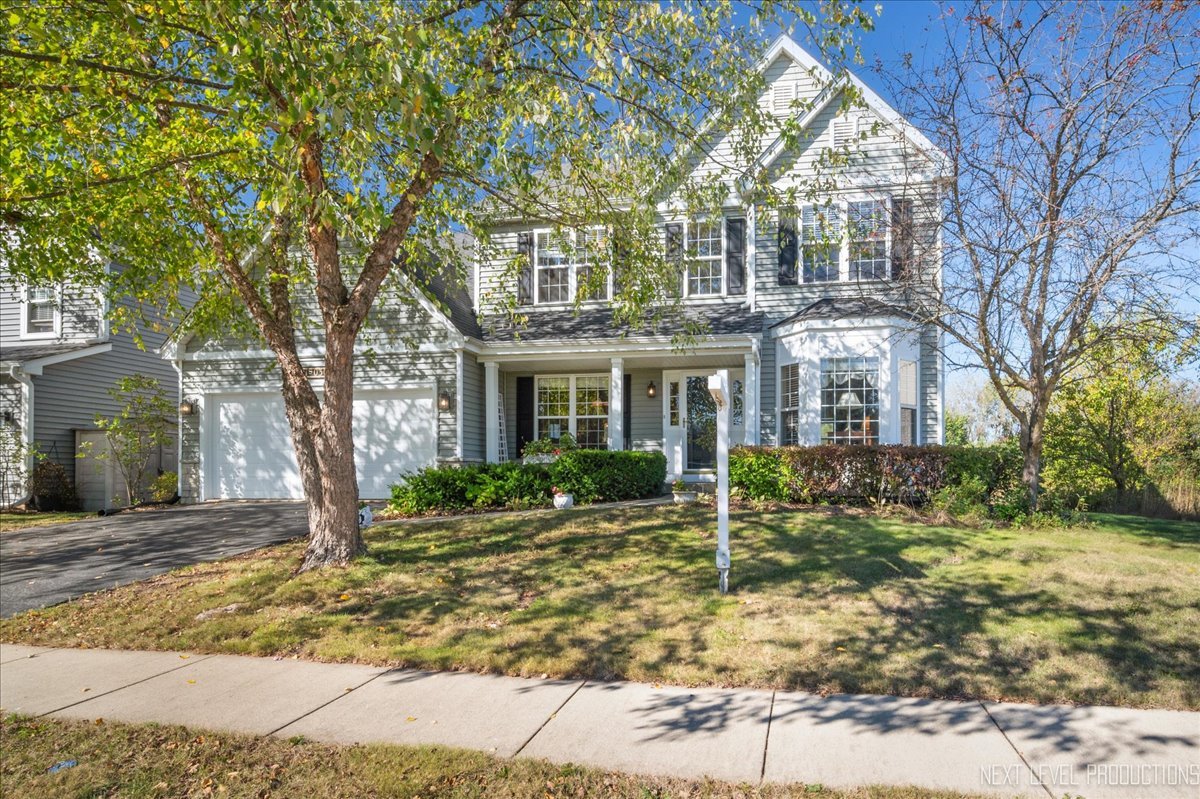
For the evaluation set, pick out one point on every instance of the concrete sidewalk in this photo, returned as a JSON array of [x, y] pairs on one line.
[[737, 735]]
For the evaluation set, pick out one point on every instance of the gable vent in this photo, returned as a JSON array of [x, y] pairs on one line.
[[845, 131], [782, 95]]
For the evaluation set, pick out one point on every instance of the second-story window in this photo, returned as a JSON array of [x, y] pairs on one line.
[[39, 310], [705, 271], [821, 243], [570, 264], [868, 230]]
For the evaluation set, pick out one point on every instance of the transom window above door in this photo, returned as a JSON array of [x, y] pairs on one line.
[[570, 264], [575, 404]]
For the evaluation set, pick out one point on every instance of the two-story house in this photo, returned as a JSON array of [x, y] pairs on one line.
[[59, 356], [818, 338]]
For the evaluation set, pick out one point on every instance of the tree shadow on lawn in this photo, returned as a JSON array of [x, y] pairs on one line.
[[569, 597]]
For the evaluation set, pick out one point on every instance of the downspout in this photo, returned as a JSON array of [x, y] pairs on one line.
[[178, 364], [26, 421]]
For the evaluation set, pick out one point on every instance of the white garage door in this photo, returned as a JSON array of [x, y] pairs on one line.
[[252, 455]]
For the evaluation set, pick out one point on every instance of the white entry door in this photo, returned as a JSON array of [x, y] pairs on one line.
[[251, 446], [690, 421]]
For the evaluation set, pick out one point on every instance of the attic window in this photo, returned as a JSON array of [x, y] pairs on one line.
[[782, 96]]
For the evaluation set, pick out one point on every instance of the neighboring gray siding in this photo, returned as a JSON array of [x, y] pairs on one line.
[[67, 396], [474, 435], [79, 309]]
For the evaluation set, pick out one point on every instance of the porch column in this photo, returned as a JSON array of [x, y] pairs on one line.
[[616, 405], [491, 409], [750, 402]]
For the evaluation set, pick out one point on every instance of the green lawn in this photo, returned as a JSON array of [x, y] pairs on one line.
[[822, 601], [19, 520], [154, 761]]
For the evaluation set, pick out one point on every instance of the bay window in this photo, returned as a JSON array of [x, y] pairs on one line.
[[789, 385], [849, 400], [575, 404]]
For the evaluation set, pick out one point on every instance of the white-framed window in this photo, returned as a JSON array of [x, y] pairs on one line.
[[821, 242], [575, 404], [673, 403], [789, 404], [705, 249], [849, 400], [41, 317], [867, 223], [908, 402], [737, 415], [567, 264]]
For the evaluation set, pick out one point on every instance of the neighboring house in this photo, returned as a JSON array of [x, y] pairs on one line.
[[58, 359], [819, 342]]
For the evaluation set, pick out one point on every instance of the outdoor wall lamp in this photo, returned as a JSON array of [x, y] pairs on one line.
[[651, 390], [187, 408], [444, 401]]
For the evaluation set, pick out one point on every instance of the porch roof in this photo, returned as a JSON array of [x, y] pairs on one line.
[[547, 324]]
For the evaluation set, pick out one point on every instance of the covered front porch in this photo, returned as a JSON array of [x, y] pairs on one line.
[[641, 395]]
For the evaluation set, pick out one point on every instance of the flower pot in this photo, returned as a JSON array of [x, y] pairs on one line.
[[684, 497], [563, 501]]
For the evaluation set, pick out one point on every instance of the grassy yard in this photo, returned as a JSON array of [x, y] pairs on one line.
[[822, 601], [20, 520], [155, 761]]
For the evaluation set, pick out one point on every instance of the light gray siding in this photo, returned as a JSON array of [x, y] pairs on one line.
[[931, 387], [647, 430], [767, 392], [473, 409]]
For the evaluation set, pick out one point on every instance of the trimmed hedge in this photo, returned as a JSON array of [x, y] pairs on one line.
[[830, 473], [591, 475]]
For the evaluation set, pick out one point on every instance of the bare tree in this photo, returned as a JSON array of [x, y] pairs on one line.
[[1070, 208]]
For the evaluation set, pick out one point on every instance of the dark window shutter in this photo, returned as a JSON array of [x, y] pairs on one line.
[[735, 255], [675, 252], [902, 238], [627, 411], [620, 261], [525, 432], [787, 249], [525, 278]]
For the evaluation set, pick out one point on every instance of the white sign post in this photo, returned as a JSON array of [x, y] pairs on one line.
[[718, 386]]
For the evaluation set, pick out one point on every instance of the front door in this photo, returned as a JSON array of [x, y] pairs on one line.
[[690, 422]]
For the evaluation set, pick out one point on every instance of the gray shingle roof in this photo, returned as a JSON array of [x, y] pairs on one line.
[[597, 323], [32, 352], [845, 308]]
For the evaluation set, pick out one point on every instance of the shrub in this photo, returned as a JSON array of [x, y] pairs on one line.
[[830, 473], [596, 475], [164, 486], [591, 475], [50, 488]]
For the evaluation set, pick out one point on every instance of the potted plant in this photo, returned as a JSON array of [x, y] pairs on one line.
[[562, 500], [547, 450], [683, 494]]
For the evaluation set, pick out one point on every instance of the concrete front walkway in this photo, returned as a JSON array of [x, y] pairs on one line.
[[738, 735]]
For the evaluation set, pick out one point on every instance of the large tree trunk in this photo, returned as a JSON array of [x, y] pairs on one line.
[[336, 539], [1032, 440]]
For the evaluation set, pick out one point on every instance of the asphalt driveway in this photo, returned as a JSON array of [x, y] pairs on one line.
[[43, 566]]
